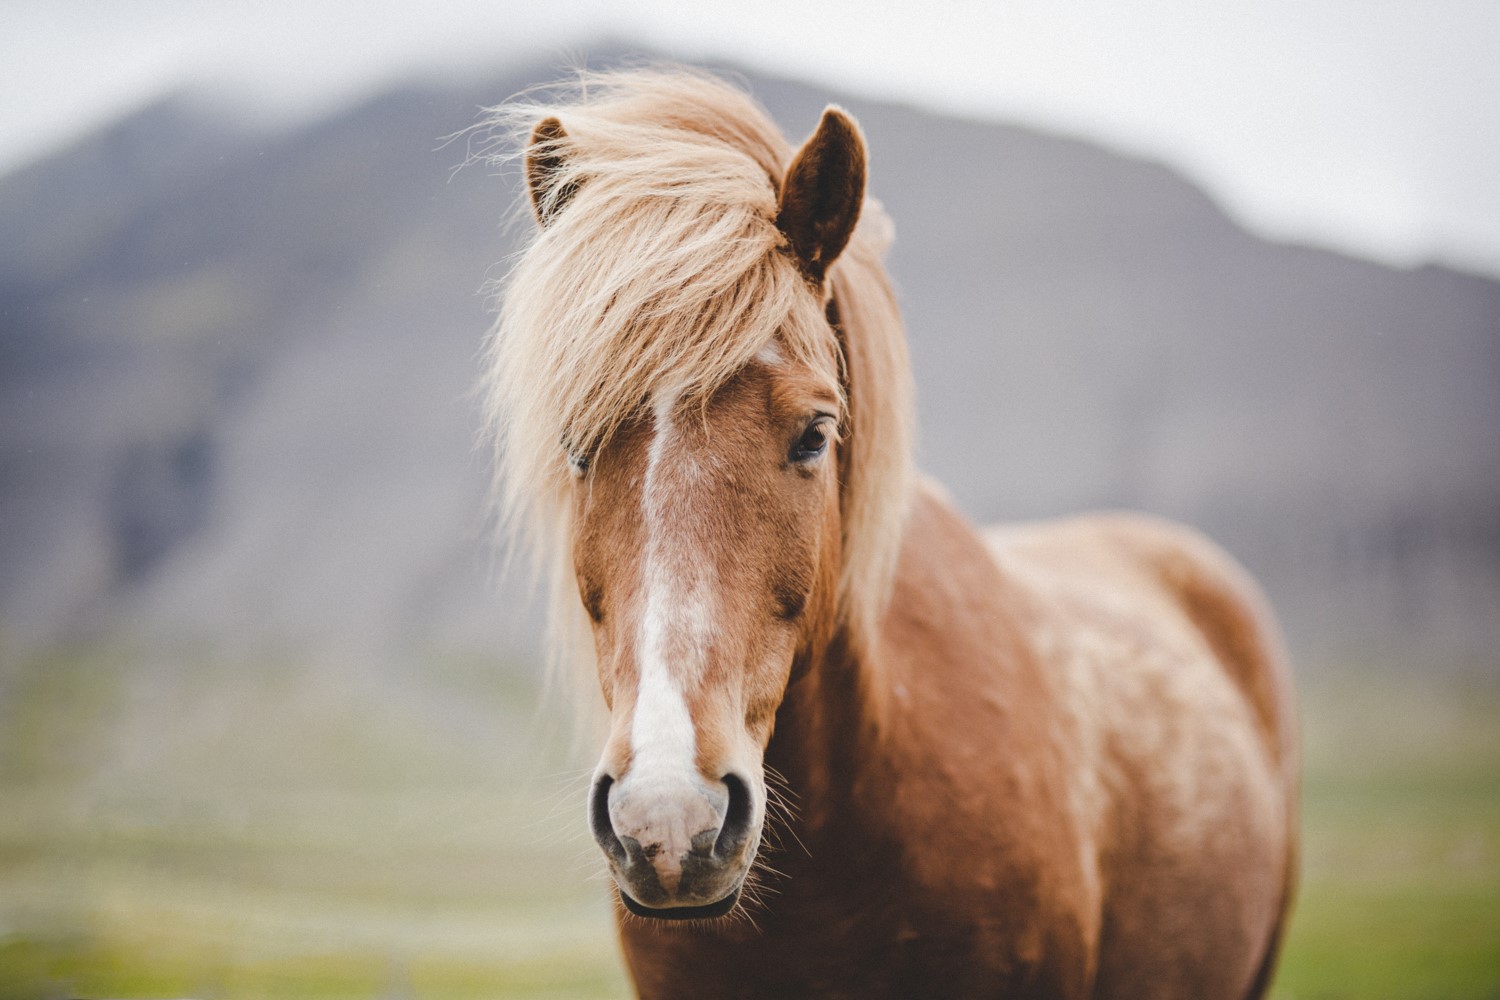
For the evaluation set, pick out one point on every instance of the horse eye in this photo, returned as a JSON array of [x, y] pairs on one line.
[[813, 442], [578, 458]]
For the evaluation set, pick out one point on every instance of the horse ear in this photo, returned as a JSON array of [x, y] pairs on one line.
[[822, 193], [545, 163]]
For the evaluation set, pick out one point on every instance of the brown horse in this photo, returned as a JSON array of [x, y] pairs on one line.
[[1042, 761]]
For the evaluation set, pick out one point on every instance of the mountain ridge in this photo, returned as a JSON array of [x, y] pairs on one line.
[[235, 382]]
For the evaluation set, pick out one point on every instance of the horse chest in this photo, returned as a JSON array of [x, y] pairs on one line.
[[874, 938], [957, 965]]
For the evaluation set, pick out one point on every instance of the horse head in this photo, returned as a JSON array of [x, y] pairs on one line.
[[706, 549]]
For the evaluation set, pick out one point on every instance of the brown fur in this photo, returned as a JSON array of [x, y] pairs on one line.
[[1050, 761]]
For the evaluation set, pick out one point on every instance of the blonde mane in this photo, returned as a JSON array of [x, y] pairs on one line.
[[666, 274]]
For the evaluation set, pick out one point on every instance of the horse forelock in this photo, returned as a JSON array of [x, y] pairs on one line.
[[664, 276]]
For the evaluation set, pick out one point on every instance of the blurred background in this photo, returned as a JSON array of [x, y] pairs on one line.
[[271, 718]]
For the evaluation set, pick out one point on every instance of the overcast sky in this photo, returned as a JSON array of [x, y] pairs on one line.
[[1366, 125]]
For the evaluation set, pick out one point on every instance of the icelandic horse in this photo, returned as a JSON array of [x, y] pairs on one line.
[[1050, 760]]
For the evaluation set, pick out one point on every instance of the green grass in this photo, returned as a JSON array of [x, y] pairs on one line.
[[173, 825], [1400, 896], [203, 828], [72, 968]]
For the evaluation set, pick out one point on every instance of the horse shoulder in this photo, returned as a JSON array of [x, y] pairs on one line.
[[971, 729]]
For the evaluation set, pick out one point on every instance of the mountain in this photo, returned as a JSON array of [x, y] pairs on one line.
[[236, 373]]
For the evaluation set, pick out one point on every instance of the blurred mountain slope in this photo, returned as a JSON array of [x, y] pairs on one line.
[[236, 373]]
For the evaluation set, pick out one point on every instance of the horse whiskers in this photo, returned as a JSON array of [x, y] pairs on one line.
[[589, 862], [764, 876], [777, 799], [741, 912], [780, 796], [772, 841], [781, 814], [775, 778], [569, 787], [753, 893], [559, 806]]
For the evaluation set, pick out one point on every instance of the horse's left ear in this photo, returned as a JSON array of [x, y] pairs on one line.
[[545, 163], [822, 193]]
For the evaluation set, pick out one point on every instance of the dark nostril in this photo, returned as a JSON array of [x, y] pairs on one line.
[[599, 823], [736, 829]]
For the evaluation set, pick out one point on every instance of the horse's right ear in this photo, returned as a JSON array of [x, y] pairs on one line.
[[545, 164], [822, 193]]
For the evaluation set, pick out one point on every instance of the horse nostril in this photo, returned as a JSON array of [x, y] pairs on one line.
[[599, 822], [736, 829]]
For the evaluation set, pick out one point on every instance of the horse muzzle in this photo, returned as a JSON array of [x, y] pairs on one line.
[[680, 849]]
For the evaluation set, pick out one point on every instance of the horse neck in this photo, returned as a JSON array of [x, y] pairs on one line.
[[824, 727], [847, 733]]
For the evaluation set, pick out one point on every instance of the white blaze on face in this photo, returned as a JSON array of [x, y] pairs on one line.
[[676, 625]]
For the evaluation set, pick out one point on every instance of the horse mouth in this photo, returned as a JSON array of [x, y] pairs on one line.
[[706, 912]]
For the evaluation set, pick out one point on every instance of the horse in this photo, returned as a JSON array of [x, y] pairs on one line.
[[857, 747]]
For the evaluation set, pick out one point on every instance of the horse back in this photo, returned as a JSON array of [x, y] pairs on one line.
[[1173, 572]]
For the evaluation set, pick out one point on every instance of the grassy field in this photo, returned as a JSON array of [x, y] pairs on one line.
[[230, 830], [174, 826], [1400, 890]]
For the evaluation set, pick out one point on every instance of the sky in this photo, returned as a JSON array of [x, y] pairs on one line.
[[1370, 126]]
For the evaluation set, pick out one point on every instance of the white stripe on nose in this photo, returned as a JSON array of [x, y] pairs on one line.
[[662, 741], [675, 627]]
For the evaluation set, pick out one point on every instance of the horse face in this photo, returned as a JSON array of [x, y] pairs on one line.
[[706, 544]]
